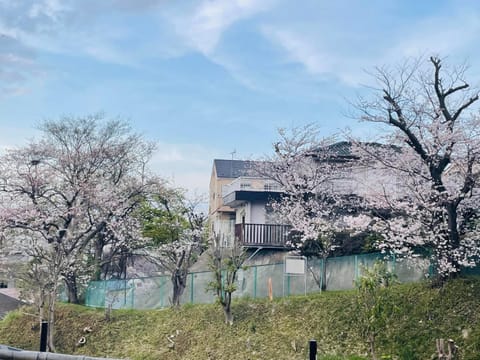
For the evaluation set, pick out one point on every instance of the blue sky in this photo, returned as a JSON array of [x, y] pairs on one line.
[[205, 77]]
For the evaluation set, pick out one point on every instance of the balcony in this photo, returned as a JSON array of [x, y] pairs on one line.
[[263, 235], [245, 189], [250, 184]]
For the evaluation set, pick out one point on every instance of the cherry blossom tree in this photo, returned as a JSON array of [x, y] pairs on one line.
[[310, 172], [70, 195], [177, 231], [430, 196]]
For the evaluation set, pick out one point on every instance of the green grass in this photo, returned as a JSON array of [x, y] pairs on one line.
[[267, 330]]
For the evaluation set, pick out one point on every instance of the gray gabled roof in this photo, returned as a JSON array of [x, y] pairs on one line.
[[341, 148], [234, 168], [7, 304]]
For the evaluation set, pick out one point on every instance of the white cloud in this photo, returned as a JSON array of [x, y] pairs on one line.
[[49, 8], [73, 27], [17, 63], [326, 49], [300, 49], [203, 28], [305, 47], [101, 30]]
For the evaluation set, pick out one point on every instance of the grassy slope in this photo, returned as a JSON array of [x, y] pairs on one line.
[[264, 330]]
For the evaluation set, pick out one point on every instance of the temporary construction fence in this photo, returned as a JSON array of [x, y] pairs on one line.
[[257, 281]]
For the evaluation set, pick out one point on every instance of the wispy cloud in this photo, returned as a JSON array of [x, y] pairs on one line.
[[316, 57], [203, 28], [300, 49], [17, 63], [71, 27], [326, 48]]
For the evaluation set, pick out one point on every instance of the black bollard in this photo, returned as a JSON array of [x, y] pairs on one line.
[[43, 336], [313, 350]]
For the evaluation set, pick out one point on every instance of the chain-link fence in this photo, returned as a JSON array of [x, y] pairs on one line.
[[258, 281]]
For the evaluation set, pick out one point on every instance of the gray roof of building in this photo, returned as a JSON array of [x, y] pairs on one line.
[[340, 151], [7, 304], [234, 168], [343, 149]]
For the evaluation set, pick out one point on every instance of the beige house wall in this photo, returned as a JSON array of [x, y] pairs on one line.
[[221, 217]]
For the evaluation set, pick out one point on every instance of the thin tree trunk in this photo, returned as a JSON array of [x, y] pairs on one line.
[[227, 309], [371, 342], [324, 273], [51, 320]]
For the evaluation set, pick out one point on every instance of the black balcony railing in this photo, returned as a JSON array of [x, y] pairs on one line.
[[263, 235]]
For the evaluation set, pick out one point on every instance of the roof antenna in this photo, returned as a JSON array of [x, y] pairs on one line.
[[231, 162]]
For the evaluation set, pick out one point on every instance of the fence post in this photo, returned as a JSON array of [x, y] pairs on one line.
[[313, 350], [104, 293], [133, 287], [322, 261], [191, 288], [356, 268], [255, 282], [160, 290], [125, 293], [288, 284]]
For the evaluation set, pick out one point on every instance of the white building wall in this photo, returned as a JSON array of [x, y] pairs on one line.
[[257, 213], [254, 213], [240, 212], [225, 229]]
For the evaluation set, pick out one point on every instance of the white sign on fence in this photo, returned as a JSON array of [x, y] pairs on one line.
[[295, 265]]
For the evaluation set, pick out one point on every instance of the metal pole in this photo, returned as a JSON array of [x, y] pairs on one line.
[[17, 354], [43, 336], [313, 349], [191, 288], [321, 273], [255, 282]]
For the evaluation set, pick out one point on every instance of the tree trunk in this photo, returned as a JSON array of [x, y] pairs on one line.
[[324, 274], [99, 244], [371, 342], [72, 290], [179, 280], [454, 237], [51, 320], [41, 305], [227, 309]]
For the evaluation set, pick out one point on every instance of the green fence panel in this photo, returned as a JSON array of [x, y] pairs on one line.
[[196, 290], [341, 273], [95, 294], [152, 293]]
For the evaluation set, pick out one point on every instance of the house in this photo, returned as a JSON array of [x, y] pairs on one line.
[[238, 205], [240, 195]]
